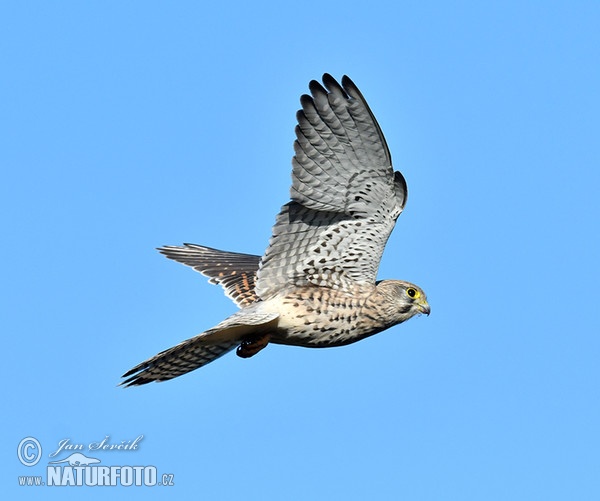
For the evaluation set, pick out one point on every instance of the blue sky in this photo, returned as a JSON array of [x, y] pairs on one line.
[[125, 126]]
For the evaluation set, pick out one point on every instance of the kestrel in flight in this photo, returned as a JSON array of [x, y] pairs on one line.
[[315, 285]]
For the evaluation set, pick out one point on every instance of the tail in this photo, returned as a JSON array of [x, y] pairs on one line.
[[235, 272], [176, 361]]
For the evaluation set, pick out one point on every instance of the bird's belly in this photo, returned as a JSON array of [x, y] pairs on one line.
[[317, 317]]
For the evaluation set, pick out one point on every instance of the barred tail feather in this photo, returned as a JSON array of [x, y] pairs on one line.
[[233, 271]]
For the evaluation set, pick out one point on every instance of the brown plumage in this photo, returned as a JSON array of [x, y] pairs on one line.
[[315, 285]]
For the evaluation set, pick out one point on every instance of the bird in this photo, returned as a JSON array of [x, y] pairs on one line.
[[316, 283]]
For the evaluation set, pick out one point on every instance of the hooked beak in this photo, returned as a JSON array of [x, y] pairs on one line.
[[424, 308]]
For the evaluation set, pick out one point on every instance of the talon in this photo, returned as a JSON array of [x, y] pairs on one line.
[[250, 346]]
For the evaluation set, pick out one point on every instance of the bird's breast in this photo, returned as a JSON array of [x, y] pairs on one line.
[[319, 316]]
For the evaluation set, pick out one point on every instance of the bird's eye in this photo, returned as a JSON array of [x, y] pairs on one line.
[[413, 293]]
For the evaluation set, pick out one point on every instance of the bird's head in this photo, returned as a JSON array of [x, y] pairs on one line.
[[404, 300]]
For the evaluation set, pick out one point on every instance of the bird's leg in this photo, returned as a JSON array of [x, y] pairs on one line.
[[251, 345]]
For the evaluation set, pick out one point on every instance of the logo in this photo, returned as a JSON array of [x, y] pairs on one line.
[[79, 469], [77, 459], [29, 451]]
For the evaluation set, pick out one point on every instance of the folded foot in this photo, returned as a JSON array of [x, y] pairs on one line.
[[251, 345]]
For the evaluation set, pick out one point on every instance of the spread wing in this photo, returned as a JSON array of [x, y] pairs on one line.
[[233, 271], [202, 349], [345, 196]]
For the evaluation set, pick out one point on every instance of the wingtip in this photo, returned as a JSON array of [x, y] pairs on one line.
[[346, 80], [126, 383], [135, 378], [316, 88], [351, 88], [333, 86], [327, 78]]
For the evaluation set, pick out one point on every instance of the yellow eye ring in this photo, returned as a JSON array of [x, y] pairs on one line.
[[413, 293]]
